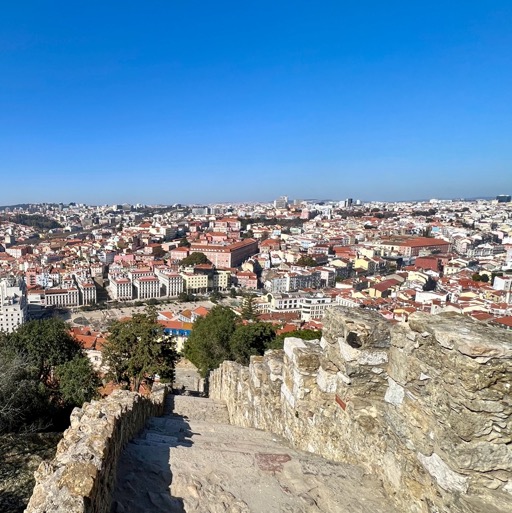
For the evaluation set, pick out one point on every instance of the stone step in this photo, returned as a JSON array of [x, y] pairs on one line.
[[197, 408], [191, 459]]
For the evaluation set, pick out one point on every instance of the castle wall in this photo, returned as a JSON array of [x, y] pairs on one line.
[[425, 405], [81, 477]]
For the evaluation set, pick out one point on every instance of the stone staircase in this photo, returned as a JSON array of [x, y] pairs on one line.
[[192, 460]]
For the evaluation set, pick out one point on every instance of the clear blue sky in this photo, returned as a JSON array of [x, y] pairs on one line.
[[200, 101]]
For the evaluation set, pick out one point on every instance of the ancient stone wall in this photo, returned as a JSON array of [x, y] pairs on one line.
[[426, 405], [81, 477]]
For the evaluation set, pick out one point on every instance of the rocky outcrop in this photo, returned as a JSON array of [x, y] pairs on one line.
[[426, 405], [81, 477]]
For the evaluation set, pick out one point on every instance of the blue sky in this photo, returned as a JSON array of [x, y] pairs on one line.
[[194, 101]]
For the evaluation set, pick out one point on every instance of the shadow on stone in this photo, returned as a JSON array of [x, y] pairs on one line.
[[144, 473]]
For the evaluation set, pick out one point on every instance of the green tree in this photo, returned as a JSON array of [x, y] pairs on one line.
[[158, 252], [184, 243], [278, 342], [78, 382], [139, 348], [22, 397], [484, 278], [195, 258], [476, 277], [215, 296], [430, 284], [251, 339], [209, 342], [185, 297], [42, 363], [46, 344], [307, 261], [248, 310]]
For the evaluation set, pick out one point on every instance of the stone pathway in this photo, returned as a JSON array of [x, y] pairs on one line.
[[192, 461]]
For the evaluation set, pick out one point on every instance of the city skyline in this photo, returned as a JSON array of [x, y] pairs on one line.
[[170, 103]]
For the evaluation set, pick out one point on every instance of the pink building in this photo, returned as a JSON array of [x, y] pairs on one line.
[[227, 255]]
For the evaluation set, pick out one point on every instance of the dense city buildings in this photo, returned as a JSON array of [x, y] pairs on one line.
[[297, 257]]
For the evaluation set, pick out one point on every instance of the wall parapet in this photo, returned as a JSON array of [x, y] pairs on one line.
[[425, 405], [81, 477]]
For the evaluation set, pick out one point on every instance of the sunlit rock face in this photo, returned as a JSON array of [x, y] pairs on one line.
[[426, 405]]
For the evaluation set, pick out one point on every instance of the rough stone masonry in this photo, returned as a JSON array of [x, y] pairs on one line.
[[426, 405]]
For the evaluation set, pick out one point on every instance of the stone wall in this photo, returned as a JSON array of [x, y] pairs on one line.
[[426, 405], [81, 477]]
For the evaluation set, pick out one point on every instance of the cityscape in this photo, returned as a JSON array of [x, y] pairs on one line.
[[293, 258], [256, 257]]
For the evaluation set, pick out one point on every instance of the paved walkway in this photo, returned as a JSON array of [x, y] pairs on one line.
[[192, 461]]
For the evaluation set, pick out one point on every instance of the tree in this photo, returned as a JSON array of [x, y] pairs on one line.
[[251, 339], [209, 342], [195, 258], [248, 311], [46, 344], [430, 284], [476, 277], [22, 399], [158, 252], [278, 341], [307, 261], [46, 374], [215, 296], [184, 243], [185, 297], [484, 278], [138, 348], [78, 382]]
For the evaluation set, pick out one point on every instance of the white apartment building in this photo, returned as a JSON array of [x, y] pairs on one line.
[[87, 290], [13, 304], [62, 297], [120, 288], [314, 307], [146, 287], [170, 282], [310, 306]]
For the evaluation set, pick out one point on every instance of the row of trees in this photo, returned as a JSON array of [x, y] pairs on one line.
[[223, 335], [45, 372]]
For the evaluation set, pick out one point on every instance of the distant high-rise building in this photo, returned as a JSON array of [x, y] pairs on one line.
[[503, 198], [349, 202], [200, 211], [281, 202]]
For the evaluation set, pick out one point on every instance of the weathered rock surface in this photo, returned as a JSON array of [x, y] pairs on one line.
[[80, 477], [191, 460], [426, 406]]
